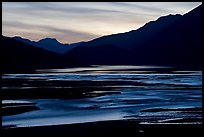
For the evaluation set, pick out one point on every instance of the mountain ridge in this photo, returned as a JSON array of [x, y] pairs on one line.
[[19, 57], [121, 38], [50, 44], [172, 40], [164, 46]]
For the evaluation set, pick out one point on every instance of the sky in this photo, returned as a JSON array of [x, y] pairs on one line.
[[71, 22]]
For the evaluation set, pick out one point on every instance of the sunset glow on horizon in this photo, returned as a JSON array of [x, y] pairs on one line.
[[71, 22]]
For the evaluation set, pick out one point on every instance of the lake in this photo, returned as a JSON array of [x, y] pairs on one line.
[[101, 93]]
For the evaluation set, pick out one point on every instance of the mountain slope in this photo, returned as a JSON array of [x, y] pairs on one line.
[[173, 40], [20, 57], [49, 44], [100, 55], [26, 41], [180, 44], [134, 38], [53, 45]]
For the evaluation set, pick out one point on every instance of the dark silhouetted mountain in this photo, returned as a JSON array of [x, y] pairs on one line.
[[173, 40], [20, 57], [137, 37], [100, 55], [27, 41], [180, 44], [49, 44], [52, 44]]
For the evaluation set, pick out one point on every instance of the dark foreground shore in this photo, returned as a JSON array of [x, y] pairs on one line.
[[126, 128]]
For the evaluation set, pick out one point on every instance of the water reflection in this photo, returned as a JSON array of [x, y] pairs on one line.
[[106, 93], [105, 69]]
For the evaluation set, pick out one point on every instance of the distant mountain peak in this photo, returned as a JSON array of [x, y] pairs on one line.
[[24, 40], [168, 17], [162, 21], [49, 40], [19, 38], [168, 40], [50, 44]]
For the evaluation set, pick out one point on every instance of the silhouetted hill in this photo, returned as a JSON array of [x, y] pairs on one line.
[[100, 55], [129, 40], [50, 44], [172, 40], [180, 44], [20, 57], [27, 41]]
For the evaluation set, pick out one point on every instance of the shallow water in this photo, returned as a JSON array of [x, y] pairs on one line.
[[140, 93]]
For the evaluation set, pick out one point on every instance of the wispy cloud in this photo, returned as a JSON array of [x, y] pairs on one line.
[[76, 21], [62, 35]]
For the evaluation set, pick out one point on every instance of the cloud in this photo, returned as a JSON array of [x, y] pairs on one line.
[[77, 21], [63, 35]]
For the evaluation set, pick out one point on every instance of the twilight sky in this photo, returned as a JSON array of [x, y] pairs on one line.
[[71, 22]]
